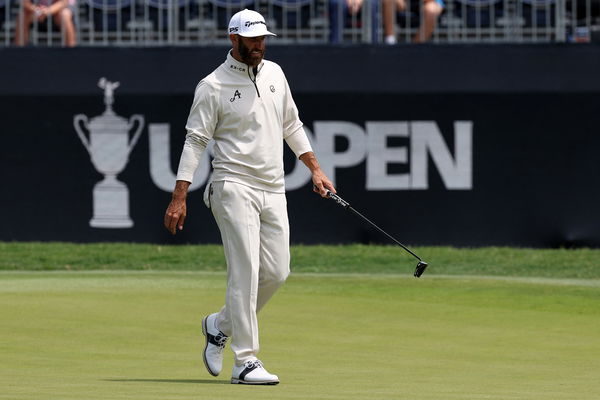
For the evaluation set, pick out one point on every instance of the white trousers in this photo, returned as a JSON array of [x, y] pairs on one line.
[[255, 232]]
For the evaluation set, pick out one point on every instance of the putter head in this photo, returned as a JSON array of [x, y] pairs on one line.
[[420, 269]]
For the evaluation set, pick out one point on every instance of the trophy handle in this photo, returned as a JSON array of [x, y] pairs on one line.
[[138, 132], [77, 124]]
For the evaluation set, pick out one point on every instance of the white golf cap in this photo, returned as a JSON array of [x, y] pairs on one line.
[[248, 23]]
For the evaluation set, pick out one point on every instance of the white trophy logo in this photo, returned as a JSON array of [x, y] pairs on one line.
[[109, 147]]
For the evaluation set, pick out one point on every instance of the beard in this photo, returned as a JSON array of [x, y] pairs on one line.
[[249, 58]]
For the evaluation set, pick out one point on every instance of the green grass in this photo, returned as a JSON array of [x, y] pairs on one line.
[[122, 321], [496, 261], [136, 335]]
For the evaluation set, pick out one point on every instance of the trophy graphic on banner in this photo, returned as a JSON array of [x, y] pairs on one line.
[[109, 147]]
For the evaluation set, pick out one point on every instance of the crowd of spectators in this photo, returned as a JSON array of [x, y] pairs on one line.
[[384, 21], [341, 14]]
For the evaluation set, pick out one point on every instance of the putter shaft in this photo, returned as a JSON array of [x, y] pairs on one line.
[[420, 266], [347, 206]]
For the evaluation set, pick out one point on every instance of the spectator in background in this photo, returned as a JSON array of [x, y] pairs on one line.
[[343, 13], [429, 13], [61, 12]]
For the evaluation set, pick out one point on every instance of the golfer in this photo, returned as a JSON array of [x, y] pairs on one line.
[[246, 107]]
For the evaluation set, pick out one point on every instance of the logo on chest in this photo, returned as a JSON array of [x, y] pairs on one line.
[[237, 94]]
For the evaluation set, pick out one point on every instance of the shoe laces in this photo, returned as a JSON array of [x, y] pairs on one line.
[[253, 364], [221, 340]]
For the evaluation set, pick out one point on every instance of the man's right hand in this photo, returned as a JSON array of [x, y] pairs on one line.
[[175, 215], [177, 209]]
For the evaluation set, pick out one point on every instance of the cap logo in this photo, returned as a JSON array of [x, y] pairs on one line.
[[250, 23], [234, 29]]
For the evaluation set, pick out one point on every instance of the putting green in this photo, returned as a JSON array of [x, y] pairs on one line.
[[136, 335]]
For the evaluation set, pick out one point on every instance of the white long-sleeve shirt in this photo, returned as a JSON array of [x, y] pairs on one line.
[[248, 116]]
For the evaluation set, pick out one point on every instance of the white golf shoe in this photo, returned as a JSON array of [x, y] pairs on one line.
[[215, 343], [253, 373]]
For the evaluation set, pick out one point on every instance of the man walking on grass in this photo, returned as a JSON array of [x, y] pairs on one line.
[[246, 107]]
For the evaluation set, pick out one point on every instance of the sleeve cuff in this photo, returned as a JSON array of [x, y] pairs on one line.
[[298, 142], [190, 157]]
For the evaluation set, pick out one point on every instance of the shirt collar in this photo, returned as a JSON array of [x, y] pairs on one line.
[[234, 65]]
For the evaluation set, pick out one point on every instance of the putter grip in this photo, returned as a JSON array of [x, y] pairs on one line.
[[338, 199], [335, 198]]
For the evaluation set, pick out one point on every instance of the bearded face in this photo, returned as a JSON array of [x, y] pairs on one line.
[[251, 50]]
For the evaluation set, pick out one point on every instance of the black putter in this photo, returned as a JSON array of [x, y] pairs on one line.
[[420, 266]]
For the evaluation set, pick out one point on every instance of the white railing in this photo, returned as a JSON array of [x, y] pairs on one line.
[[203, 22]]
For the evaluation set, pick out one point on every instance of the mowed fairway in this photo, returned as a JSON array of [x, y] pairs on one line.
[[136, 335]]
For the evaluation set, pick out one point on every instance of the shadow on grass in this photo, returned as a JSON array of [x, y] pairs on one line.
[[202, 381]]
